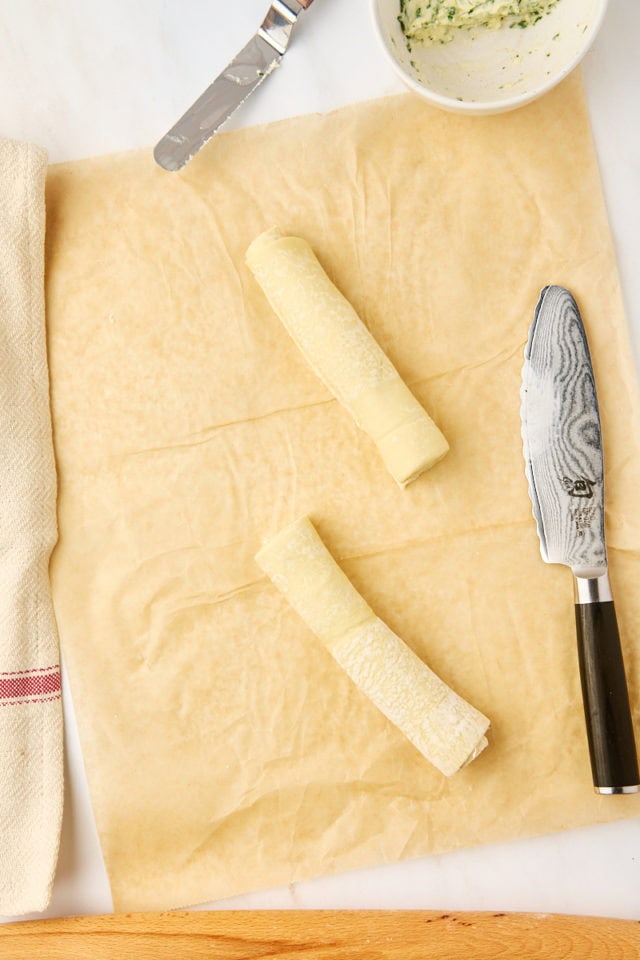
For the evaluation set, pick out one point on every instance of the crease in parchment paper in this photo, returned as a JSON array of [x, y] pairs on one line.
[[224, 750]]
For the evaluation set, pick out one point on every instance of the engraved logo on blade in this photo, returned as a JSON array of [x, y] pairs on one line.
[[583, 518], [580, 487]]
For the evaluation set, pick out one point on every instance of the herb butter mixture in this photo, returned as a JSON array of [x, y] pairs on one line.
[[436, 21]]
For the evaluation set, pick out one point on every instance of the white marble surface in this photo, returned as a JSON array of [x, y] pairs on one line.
[[85, 79]]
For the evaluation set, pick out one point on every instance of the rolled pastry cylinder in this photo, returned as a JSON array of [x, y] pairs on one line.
[[344, 355], [446, 729]]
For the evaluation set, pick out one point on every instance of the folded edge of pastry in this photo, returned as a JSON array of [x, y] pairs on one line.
[[341, 351], [446, 729]]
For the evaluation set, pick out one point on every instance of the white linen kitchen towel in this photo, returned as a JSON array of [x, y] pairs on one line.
[[31, 745]]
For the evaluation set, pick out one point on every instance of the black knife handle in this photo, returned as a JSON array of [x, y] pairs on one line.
[[612, 748]]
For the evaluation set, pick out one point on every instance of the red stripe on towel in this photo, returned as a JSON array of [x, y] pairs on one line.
[[29, 685], [16, 673], [13, 703]]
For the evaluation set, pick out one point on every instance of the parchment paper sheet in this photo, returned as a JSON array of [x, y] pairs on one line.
[[224, 748]]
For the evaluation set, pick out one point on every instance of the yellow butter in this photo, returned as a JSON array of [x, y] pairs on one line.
[[437, 21]]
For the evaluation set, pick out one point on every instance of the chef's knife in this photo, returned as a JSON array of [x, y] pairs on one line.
[[231, 88], [564, 466]]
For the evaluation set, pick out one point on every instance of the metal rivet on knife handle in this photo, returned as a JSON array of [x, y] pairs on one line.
[[232, 87]]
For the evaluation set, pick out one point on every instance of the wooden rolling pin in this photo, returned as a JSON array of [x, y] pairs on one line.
[[322, 935]]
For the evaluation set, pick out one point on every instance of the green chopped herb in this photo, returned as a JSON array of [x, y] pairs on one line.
[[437, 21]]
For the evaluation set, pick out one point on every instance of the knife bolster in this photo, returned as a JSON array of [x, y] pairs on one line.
[[592, 589]]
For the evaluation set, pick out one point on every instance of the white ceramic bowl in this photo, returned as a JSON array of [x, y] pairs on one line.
[[490, 71]]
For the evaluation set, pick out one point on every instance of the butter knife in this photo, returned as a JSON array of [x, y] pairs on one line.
[[232, 87], [564, 467]]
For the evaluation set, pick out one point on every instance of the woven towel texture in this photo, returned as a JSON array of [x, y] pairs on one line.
[[31, 782]]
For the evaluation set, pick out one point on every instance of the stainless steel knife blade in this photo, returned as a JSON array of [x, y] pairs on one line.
[[562, 438], [232, 87], [564, 465]]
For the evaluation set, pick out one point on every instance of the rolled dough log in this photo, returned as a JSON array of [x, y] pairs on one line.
[[342, 352], [447, 730]]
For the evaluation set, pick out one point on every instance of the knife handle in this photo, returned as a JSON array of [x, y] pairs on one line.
[[614, 763]]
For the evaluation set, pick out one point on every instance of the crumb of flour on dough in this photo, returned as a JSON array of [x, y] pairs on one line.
[[437, 21]]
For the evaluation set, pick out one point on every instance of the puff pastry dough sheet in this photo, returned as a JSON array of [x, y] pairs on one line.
[[446, 729], [343, 353], [224, 750]]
